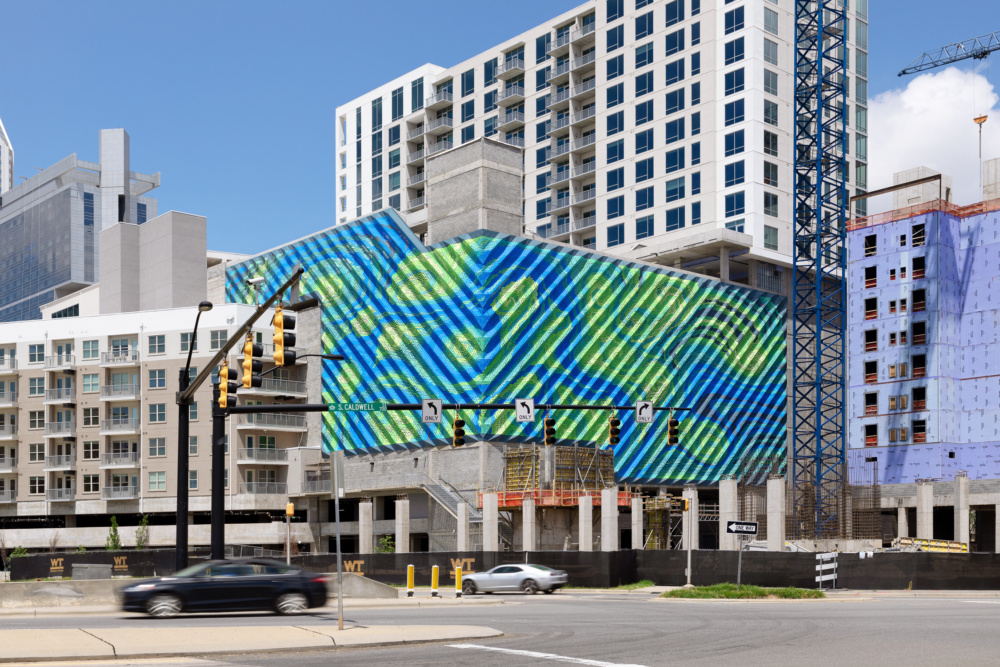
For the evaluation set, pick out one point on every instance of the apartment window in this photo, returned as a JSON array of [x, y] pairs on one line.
[[468, 134], [157, 481], [193, 411], [157, 446], [377, 115], [696, 123], [36, 485], [616, 37], [734, 20], [644, 199], [616, 67], [675, 130], [871, 435], [193, 445], [643, 84], [920, 398], [616, 95], [643, 55], [695, 153], [616, 9], [770, 143], [397, 104], [616, 123], [36, 354], [919, 300], [734, 143], [157, 379], [90, 349], [218, 339], [674, 43], [393, 159], [771, 21], [90, 483], [468, 82], [770, 52], [734, 112], [734, 51], [542, 78], [192, 479], [675, 11], [541, 183], [489, 101], [91, 450], [696, 183], [892, 306], [157, 413], [616, 207], [644, 227], [91, 416], [541, 156], [644, 170], [919, 430], [770, 174], [616, 179], [36, 387], [735, 204], [36, 419], [675, 101], [919, 235], [770, 82], [675, 160], [696, 213], [416, 95], [644, 25], [771, 204], [675, 219], [770, 237], [186, 342], [919, 333], [36, 453], [542, 207], [735, 173], [158, 344], [675, 189], [616, 151], [468, 111], [616, 235], [695, 93], [770, 113], [643, 141], [675, 71], [695, 64], [695, 34]]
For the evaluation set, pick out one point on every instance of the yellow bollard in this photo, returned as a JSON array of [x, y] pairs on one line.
[[434, 581], [409, 581], [458, 581]]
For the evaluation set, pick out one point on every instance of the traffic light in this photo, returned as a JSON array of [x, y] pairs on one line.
[[550, 431], [457, 432], [282, 339], [227, 387], [613, 430], [672, 431], [687, 504], [252, 366]]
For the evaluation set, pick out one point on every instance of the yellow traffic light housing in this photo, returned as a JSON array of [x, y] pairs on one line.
[[672, 431], [687, 504], [283, 339], [457, 432], [550, 431], [252, 366], [226, 387], [613, 430]]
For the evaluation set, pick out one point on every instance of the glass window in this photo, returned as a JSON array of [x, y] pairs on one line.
[[90, 483], [186, 342], [770, 52], [735, 204], [91, 450], [616, 179], [393, 159], [734, 20], [490, 126], [675, 218], [616, 207], [696, 183], [695, 93], [643, 55], [616, 95], [770, 237], [675, 160], [644, 199], [542, 78], [489, 101], [616, 151], [735, 173], [675, 101], [91, 416], [695, 153], [696, 213], [394, 135], [643, 84], [468, 111], [644, 170], [616, 9], [770, 82], [542, 45], [36, 485], [643, 112], [90, 349], [695, 34], [468, 134], [696, 123], [770, 143], [675, 130], [157, 413], [616, 234], [36, 354], [771, 21], [616, 123], [695, 63], [394, 177], [218, 339], [91, 382], [734, 51], [192, 479], [771, 204], [770, 174], [644, 25], [36, 419], [674, 43], [468, 82], [643, 141], [770, 112], [644, 227], [675, 189], [734, 81], [397, 104], [616, 66], [416, 95], [542, 207], [158, 344], [36, 453], [675, 12], [193, 445], [734, 143], [157, 446], [36, 386], [675, 72], [616, 37], [157, 481], [734, 112]]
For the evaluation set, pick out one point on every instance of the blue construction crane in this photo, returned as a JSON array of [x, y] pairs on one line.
[[977, 48]]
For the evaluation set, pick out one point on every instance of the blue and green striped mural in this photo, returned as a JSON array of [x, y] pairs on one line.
[[488, 318]]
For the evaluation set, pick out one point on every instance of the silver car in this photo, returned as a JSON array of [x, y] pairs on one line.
[[526, 578]]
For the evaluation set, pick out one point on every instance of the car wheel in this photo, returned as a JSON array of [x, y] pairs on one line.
[[163, 606], [291, 603], [468, 588], [549, 591], [529, 587]]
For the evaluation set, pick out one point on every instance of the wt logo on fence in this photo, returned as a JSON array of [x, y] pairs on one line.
[[121, 564], [354, 566], [57, 566]]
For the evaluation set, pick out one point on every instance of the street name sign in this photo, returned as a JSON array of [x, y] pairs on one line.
[[525, 408], [741, 527], [644, 412], [375, 406], [430, 411]]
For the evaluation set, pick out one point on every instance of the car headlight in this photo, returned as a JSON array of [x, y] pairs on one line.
[[144, 587]]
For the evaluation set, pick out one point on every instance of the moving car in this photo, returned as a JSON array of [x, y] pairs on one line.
[[526, 578], [245, 585]]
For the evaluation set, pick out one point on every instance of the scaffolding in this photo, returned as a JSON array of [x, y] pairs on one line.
[[663, 522], [520, 469], [583, 468]]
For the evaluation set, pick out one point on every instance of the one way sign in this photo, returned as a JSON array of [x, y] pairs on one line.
[[741, 527]]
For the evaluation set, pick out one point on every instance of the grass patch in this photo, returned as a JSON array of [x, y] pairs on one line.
[[729, 592], [624, 587]]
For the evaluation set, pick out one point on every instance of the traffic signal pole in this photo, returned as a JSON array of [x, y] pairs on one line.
[[218, 477]]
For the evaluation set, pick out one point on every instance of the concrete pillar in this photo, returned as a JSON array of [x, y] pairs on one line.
[[902, 522], [689, 522], [365, 527], [724, 264], [463, 527], [609, 519], [402, 525], [961, 507], [586, 523], [776, 514], [728, 511], [925, 510], [637, 537], [491, 522], [528, 516]]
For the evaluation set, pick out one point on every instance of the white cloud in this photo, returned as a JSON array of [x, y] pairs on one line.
[[929, 123]]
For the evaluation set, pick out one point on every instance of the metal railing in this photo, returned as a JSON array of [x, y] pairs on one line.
[[7, 496], [585, 223], [583, 32], [7, 464], [127, 424], [54, 428], [584, 115], [583, 61], [561, 69], [510, 65], [8, 365], [561, 149], [417, 202], [416, 180], [589, 140], [114, 357], [554, 231], [512, 91], [585, 169], [59, 394], [438, 147], [273, 421], [8, 430], [415, 133], [264, 488], [443, 121], [584, 87], [513, 141], [263, 455], [68, 493], [119, 391], [559, 96], [584, 196], [416, 155], [60, 461], [560, 123], [443, 96], [120, 492], [317, 486], [130, 459], [279, 386], [8, 397], [559, 42], [59, 360], [559, 177], [513, 117]]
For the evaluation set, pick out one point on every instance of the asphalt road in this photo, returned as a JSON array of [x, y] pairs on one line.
[[638, 630]]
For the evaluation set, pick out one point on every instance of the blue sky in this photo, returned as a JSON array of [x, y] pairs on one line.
[[234, 101]]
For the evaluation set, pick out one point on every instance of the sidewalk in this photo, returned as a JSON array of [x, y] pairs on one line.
[[150, 642]]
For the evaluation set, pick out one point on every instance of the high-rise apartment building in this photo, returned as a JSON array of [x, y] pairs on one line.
[[654, 129], [49, 224], [6, 161]]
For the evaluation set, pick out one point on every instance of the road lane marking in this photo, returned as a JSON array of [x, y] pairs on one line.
[[542, 656], [983, 601]]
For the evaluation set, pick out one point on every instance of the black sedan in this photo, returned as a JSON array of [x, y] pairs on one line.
[[246, 585]]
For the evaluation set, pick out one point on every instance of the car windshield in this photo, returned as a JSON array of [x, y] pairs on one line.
[[192, 571], [541, 567]]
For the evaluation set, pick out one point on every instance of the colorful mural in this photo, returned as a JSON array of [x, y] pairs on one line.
[[487, 318]]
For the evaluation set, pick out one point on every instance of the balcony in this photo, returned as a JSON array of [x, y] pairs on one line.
[[584, 169], [60, 395], [438, 101], [584, 61], [559, 204], [559, 123], [60, 462], [8, 431], [512, 120], [559, 45], [120, 493], [262, 455], [560, 150], [512, 141], [63, 429], [8, 464], [120, 358], [417, 203], [583, 33], [584, 143], [7, 496], [120, 460], [508, 69], [512, 94], [120, 392], [585, 223], [440, 125], [8, 366], [438, 147], [554, 231], [584, 116], [264, 488], [414, 181], [584, 197], [277, 386], [559, 100], [558, 177], [415, 133], [583, 89], [272, 422], [416, 156], [560, 73], [57, 495], [312, 486], [8, 399], [59, 362], [128, 425]]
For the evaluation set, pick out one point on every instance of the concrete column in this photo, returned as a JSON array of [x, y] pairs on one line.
[[365, 527], [586, 523], [902, 522], [689, 522], [528, 516], [463, 527], [776, 514], [402, 525], [491, 522], [609, 519], [962, 507], [637, 537], [925, 510], [728, 511], [724, 264]]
